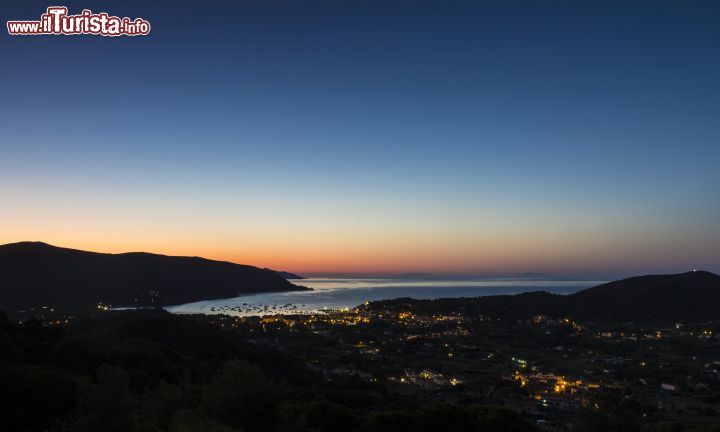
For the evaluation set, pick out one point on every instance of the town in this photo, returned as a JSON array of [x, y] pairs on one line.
[[544, 368], [559, 374]]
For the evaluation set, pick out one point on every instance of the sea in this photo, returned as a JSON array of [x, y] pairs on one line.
[[331, 294]]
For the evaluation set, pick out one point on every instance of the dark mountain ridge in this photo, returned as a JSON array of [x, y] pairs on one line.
[[686, 297], [693, 295], [35, 274]]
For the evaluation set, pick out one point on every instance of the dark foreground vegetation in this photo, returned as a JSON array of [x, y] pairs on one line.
[[152, 371], [637, 355]]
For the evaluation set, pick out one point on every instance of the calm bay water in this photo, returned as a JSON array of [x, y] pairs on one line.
[[338, 293]]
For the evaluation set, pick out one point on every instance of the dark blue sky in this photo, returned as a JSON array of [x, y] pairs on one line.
[[362, 135]]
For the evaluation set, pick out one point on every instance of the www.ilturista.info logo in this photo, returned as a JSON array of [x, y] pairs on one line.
[[56, 21]]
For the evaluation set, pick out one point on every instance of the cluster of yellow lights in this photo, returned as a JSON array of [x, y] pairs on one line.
[[428, 375], [349, 320], [572, 324], [520, 377], [345, 318], [59, 322], [560, 385]]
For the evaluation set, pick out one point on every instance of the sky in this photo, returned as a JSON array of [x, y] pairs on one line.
[[368, 136]]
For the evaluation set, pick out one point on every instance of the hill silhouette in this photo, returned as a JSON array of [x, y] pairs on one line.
[[35, 274], [687, 296], [684, 297], [288, 275]]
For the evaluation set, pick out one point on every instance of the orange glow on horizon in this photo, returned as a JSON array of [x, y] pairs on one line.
[[363, 259], [326, 244]]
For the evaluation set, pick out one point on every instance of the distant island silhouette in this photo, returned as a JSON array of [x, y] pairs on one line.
[[36, 274], [416, 275]]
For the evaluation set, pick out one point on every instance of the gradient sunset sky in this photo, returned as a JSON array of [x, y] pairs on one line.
[[373, 136]]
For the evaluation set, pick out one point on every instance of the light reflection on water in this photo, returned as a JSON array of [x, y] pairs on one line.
[[338, 293]]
